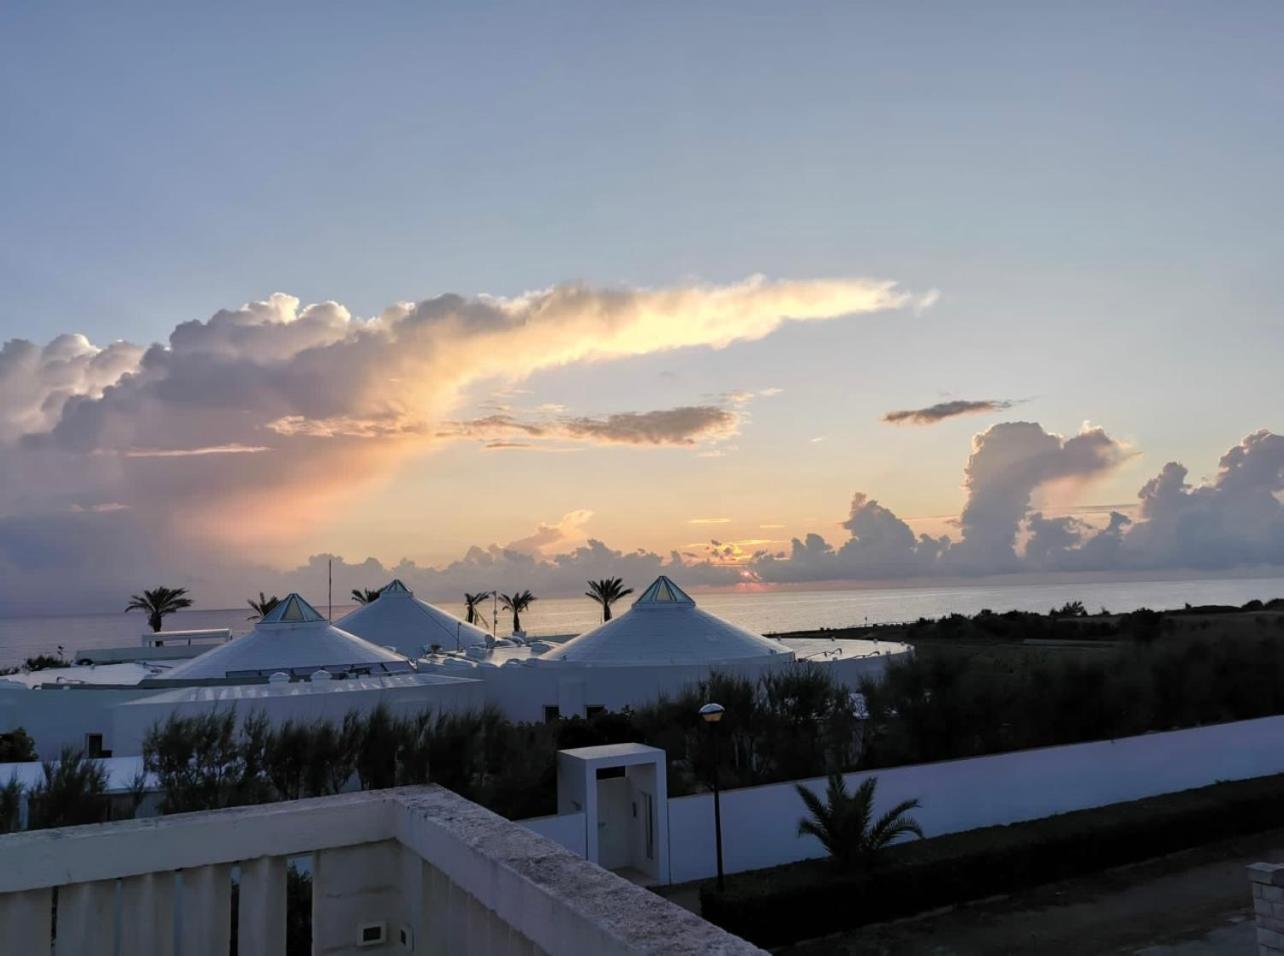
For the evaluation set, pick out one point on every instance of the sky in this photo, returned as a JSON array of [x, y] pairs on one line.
[[506, 293]]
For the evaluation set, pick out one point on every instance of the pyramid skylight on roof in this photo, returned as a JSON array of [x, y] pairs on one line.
[[399, 619], [292, 609], [663, 591], [665, 627]]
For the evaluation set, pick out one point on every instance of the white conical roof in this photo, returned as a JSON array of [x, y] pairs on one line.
[[665, 627], [399, 619], [295, 638]]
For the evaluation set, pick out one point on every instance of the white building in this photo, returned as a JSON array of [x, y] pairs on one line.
[[297, 665], [663, 644], [294, 639], [294, 665], [399, 620]]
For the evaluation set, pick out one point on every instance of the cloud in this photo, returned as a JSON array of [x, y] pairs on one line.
[[37, 382], [233, 449], [1234, 521], [943, 410], [252, 426], [569, 528], [504, 569], [674, 426], [1008, 464], [708, 521], [685, 425], [1009, 461], [341, 397]]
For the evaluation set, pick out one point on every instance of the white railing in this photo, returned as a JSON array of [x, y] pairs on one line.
[[418, 869]]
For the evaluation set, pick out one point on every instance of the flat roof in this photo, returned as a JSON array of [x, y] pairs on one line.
[[613, 752]]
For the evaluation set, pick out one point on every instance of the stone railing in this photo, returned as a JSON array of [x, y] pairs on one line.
[[1267, 881], [415, 870]]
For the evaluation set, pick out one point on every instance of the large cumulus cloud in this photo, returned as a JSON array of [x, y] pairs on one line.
[[1234, 521], [256, 422]]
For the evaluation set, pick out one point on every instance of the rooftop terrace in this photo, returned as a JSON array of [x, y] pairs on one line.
[[417, 869]]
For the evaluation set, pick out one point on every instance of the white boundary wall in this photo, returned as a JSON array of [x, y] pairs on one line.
[[566, 829], [760, 824]]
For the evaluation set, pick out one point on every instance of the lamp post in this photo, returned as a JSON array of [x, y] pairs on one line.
[[712, 713]]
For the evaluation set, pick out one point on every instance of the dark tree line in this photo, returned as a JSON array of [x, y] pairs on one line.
[[940, 707]]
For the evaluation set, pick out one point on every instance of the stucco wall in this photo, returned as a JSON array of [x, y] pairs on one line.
[[760, 823], [523, 691], [58, 718], [131, 722], [566, 830]]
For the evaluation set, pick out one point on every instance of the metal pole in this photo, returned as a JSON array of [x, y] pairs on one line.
[[329, 589], [717, 807]]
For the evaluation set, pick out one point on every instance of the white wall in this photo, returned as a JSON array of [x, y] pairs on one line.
[[759, 824], [59, 718], [523, 691], [131, 722], [566, 829]]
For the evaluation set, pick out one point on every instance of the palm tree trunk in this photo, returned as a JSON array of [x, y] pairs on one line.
[[154, 619], [606, 611], [517, 622]]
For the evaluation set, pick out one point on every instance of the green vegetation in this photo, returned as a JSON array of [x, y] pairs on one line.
[[39, 662], [844, 822], [16, 746], [472, 607], [10, 801], [810, 899], [606, 592], [262, 607], [158, 603], [73, 791], [953, 700], [782, 727], [517, 603], [364, 595]]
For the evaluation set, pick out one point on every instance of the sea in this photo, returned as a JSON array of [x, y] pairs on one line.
[[763, 611]]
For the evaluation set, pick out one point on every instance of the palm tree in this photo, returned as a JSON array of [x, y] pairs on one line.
[[364, 595], [159, 602], [262, 607], [517, 603], [606, 592], [844, 822], [472, 604]]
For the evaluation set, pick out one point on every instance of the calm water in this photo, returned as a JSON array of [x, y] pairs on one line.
[[762, 611]]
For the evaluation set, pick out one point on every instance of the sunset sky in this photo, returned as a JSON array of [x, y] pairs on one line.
[[424, 278]]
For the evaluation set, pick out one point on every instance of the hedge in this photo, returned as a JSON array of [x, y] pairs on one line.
[[798, 901]]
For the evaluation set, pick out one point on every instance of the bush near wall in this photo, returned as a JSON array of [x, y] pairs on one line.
[[805, 900]]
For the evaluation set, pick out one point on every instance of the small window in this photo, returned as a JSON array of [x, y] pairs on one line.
[[594, 710], [551, 713], [94, 746]]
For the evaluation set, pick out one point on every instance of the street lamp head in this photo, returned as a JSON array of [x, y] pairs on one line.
[[711, 713]]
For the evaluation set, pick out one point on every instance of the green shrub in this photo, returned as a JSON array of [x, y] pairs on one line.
[[810, 899], [10, 804], [16, 746], [73, 791]]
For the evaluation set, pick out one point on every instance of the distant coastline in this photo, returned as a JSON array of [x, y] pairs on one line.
[[775, 610]]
